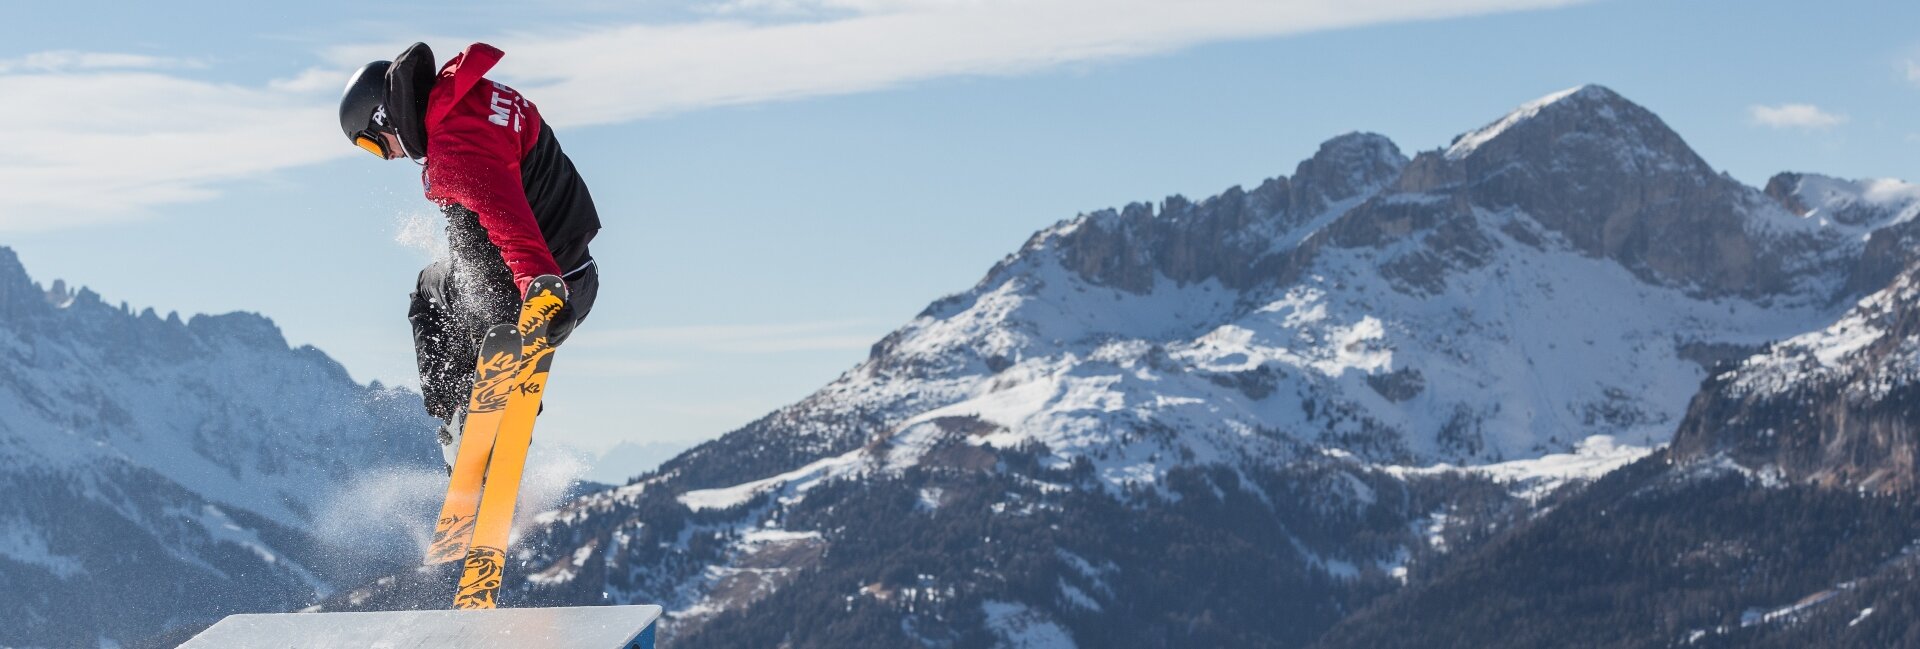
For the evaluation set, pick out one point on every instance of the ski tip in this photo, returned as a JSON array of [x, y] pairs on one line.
[[502, 331], [501, 339], [547, 284]]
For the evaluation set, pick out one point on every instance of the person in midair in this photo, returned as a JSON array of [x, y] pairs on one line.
[[515, 207]]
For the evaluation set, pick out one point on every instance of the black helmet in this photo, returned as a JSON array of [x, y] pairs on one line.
[[363, 115]]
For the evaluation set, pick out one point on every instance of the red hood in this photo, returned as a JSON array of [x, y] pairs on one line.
[[464, 71]]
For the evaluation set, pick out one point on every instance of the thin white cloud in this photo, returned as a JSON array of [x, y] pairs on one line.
[[721, 413], [741, 339], [823, 7], [92, 147], [314, 80], [1913, 71], [101, 136], [626, 72], [600, 367], [1800, 116], [69, 60]]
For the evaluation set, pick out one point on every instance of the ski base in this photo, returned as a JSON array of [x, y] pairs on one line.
[[493, 378], [485, 559]]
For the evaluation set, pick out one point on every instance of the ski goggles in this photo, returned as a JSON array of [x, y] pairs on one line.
[[373, 143], [370, 137]]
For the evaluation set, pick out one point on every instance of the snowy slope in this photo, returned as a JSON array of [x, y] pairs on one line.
[[161, 471], [1855, 206]]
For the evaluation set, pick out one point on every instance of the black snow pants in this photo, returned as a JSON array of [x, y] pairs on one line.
[[459, 297]]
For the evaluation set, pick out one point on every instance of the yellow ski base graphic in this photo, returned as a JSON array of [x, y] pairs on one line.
[[481, 581], [494, 378], [485, 562]]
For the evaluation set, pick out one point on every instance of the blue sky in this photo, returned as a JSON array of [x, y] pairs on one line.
[[784, 181]]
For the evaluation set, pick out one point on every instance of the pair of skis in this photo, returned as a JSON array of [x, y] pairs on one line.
[[509, 378]]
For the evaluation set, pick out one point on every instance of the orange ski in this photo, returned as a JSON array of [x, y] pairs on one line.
[[486, 558], [493, 378]]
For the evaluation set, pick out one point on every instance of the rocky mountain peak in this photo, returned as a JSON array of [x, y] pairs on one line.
[[1345, 167], [18, 294], [1590, 122], [1238, 237], [1871, 203], [1785, 188], [251, 329], [1609, 179]]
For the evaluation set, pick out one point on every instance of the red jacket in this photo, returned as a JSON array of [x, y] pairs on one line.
[[478, 131]]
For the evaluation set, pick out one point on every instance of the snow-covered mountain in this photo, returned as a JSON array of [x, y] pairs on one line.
[[160, 472], [1556, 275], [1782, 515], [1294, 393], [1837, 407]]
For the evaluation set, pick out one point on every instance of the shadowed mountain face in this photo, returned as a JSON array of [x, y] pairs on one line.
[[1782, 515], [160, 473], [1149, 424], [1667, 553], [1839, 407]]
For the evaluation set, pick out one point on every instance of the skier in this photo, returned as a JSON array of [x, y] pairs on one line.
[[515, 207]]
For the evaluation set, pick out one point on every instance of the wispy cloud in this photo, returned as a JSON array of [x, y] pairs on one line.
[[1913, 71], [1800, 116], [816, 7], [102, 136], [602, 367], [742, 339], [93, 146], [872, 44], [331, 80], [70, 60]]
